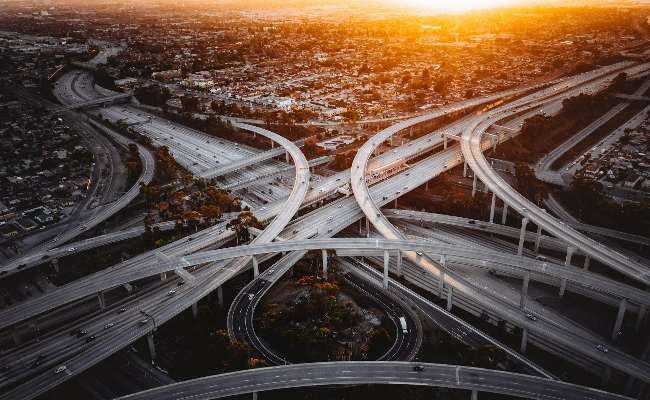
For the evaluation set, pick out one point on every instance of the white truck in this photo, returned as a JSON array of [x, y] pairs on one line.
[[402, 322]]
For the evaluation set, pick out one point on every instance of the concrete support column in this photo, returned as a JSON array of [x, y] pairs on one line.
[[395, 203], [562, 287], [607, 375], [220, 296], [195, 310], [494, 203], [254, 395], [640, 317], [522, 236], [368, 226], [361, 226], [163, 276], [538, 239], [102, 300], [465, 169], [587, 263], [504, 214], [55, 265], [324, 253], [569, 255], [619, 318], [426, 186], [474, 185], [152, 345], [524, 291], [386, 261], [15, 335], [524, 341], [450, 295], [441, 281], [445, 142], [272, 144], [399, 263], [286, 156], [256, 268], [474, 395]]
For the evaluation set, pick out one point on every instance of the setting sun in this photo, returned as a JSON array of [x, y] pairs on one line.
[[457, 5]]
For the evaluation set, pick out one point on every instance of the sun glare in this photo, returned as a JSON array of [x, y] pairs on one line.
[[456, 5]]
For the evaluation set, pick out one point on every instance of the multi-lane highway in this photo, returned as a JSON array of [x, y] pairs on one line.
[[544, 327], [159, 305], [473, 144], [368, 373]]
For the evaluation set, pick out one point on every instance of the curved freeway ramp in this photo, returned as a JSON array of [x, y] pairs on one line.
[[473, 145], [158, 307], [148, 169], [372, 373], [550, 330]]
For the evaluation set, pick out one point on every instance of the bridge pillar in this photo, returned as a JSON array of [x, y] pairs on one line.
[[102, 300], [504, 215], [619, 318], [607, 375], [474, 185], [639, 318], [569, 255], [522, 236], [450, 295], [220, 295], [195, 310], [562, 287], [426, 186], [286, 156], [368, 226], [441, 281], [445, 142], [524, 341], [361, 226], [464, 169], [399, 263], [163, 276], [386, 261], [55, 265], [538, 239], [474, 395], [272, 143], [395, 203], [15, 335], [254, 395], [152, 345], [256, 268], [587, 263], [324, 253], [494, 202], [524, 291]]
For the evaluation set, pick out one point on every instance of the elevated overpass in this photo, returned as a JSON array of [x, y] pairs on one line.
[[475, 380]]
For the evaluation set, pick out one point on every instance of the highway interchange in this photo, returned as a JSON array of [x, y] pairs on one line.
[[312, 232]]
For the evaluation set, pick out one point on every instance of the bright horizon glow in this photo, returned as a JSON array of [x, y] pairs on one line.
[[455, 6]]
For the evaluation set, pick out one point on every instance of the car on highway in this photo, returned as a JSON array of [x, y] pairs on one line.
[[143, 322], [531, 317], [418, 368], [171, 292], [81, 333], [72, 249], [90, 338], [251, 296], [602, 349], [109, 325], [121, 310], [60, 369], [38, 361]]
